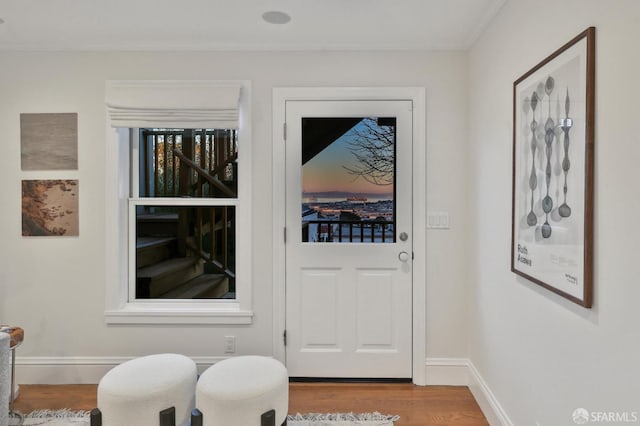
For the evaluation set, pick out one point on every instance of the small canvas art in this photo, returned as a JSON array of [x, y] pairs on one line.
[[50, 208], [49, 141]]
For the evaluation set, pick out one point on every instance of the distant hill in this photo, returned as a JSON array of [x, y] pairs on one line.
[[342, 194]]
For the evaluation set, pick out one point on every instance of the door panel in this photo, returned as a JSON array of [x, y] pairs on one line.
[[375, 313], [349, 197], [319, 302]]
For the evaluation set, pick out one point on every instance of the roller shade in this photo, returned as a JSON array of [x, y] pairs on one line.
[[173, 104]]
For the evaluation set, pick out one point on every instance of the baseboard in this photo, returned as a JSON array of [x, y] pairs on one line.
[[462, 372], [78, 370], [447, 372], [495, 414]]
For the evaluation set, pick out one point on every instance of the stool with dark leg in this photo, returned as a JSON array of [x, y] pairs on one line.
[[16, 335], [244, 390], [168, 417], [139, 391], [268, 418], [196, 417], [95, 417]]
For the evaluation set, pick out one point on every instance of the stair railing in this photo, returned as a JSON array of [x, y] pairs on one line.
[[195, 163], [204, 174]]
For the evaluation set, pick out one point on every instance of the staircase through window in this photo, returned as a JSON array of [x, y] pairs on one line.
[[185, 213]]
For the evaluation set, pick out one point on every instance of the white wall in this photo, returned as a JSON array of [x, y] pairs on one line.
[[541, 355], [54, 287]]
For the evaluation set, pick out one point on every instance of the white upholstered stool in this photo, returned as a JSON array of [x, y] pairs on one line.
[[239, 391], [136, 391]]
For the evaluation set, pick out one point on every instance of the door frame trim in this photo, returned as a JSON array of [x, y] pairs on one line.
[[418, 96]]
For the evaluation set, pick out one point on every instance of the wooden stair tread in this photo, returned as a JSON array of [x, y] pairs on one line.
[[150, 242], [166, 267], [161, 217], [196, 287]]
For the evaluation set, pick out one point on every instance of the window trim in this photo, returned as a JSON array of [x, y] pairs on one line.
[[118, 308]]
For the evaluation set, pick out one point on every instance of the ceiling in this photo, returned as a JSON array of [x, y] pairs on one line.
[[238, 24]]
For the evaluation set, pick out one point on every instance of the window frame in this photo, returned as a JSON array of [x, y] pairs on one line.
[[120, 307]]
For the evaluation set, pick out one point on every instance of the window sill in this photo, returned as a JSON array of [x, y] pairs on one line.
[[178, 313]]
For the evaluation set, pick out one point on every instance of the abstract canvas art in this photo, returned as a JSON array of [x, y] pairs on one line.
[[49, 141], [553, 137], [50, 208]]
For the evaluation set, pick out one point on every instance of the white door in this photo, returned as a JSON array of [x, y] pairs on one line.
[[349, 239]]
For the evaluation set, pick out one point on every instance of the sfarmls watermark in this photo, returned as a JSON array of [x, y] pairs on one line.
[[582, 416]]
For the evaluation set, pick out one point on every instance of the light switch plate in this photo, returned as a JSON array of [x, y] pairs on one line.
[[437, 220]]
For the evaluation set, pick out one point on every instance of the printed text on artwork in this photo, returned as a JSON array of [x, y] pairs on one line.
[[522, 253]]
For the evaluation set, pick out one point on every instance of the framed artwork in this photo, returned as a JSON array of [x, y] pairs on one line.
[[50, 208], [553, 150], [49, 141]]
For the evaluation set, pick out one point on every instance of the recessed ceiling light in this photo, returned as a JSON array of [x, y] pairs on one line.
[[276, 17]]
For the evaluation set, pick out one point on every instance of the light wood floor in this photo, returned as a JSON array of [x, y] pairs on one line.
[[416, 406]]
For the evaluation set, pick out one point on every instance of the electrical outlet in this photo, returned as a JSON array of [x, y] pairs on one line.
[[229, 344]]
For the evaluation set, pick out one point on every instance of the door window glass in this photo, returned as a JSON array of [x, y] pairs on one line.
[[348, 179]]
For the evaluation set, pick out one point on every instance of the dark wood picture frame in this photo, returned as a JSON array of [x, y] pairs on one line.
[[552, 181]]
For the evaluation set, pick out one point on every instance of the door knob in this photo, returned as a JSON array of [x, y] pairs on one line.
[[403, 256]]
